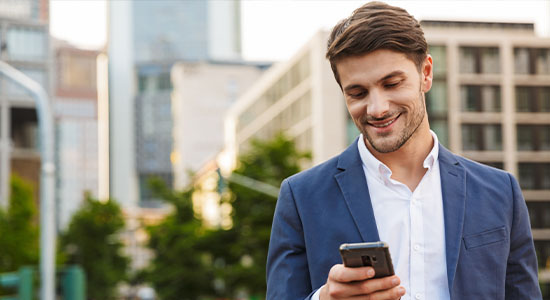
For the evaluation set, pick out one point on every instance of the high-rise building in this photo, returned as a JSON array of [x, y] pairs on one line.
[[299, 97], [203, 92], [145, 39], [75, 111], [24, 44], [490, 102]]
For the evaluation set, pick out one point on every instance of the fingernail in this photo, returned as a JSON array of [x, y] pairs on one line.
[[370, 272], [395, 281], [402, 291]]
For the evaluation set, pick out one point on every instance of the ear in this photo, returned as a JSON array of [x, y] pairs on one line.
[[427, 74]]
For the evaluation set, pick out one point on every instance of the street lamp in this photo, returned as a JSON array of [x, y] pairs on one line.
[[47, 178]]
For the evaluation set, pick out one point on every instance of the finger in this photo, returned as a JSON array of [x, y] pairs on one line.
[[374, 285], [340, 273], [394, 293]]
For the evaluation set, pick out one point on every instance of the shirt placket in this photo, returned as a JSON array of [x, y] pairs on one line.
[[417, 284]]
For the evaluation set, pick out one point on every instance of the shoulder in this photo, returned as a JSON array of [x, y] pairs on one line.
[[482, 172], [477, 172], [316, 174]]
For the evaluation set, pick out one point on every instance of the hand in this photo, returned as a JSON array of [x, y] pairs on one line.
[[356, 283]]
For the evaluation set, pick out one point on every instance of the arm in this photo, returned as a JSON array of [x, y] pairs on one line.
[[287, 266], [521, 272]]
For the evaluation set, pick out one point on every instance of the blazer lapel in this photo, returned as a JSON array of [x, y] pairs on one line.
[[353, 184], [453, 188]]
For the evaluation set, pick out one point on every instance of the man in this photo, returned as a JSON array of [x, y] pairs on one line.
[[456, 229]]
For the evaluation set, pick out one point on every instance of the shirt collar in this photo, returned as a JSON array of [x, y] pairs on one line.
[[376, 167]]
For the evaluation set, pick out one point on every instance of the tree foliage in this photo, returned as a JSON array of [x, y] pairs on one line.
[[18, 228], [92, 242], [246, 254], [193, 262], [180, 269]]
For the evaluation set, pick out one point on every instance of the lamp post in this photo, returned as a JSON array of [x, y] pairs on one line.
[[47, 178]]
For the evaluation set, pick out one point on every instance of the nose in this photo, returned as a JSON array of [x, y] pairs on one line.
[[378, 106]]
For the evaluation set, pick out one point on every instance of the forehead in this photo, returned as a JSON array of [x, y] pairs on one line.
[[373, 66]]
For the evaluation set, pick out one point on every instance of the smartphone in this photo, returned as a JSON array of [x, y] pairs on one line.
[[376, 255]]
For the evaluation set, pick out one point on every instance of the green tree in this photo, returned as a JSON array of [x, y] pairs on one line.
[[18, 229], [91, 241], [245, 244], [194, 262], [180, 269]]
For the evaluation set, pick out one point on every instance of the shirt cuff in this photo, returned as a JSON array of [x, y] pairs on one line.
[[316, 295]]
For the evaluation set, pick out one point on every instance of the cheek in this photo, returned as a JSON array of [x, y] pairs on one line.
[[356, 109], [411, 100]]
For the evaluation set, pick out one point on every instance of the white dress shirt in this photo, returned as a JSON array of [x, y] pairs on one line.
[[412, 224]]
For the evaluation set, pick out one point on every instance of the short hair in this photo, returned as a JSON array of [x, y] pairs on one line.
[[374, 26]]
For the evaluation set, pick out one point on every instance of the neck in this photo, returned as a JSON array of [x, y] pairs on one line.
[[407, 163]]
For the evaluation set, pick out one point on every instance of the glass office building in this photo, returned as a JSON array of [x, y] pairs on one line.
[[24, 41]]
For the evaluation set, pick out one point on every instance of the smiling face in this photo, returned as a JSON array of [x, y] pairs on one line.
[[384, 93]]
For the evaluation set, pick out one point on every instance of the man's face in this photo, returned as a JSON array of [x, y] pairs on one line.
[[384, 94]]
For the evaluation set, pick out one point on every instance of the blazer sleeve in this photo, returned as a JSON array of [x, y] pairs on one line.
[[287, 266], [521, 272]]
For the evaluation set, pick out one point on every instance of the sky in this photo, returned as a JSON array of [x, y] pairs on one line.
[[275, 29]]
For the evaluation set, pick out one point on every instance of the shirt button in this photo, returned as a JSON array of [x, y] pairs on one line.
[[416, 248], [418, 296]]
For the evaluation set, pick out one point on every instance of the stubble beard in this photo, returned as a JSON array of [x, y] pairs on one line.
[[407, 132]]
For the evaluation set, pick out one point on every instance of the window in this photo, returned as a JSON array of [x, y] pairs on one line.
[[532, 60], [539, 214], [543, 254], [26, 44], [481, 137], [440, 127], [533, 99], [521, 60], [477, 98], [439, 55], [476, 60], [436, 105], [24, 128], [534, 176], [436, 99], [533, 137]]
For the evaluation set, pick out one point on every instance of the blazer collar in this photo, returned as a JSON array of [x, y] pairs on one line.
[[453, 189], [353, 185]]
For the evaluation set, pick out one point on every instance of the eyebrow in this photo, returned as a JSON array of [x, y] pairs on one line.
[[388, 76]]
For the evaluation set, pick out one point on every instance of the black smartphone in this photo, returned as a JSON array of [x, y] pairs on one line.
[[376, 255]]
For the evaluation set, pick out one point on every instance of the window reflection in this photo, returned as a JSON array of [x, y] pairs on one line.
[[477, 98], [481, 137], [476, 60]]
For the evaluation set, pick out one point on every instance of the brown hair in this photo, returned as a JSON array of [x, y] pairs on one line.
[[373, 26]]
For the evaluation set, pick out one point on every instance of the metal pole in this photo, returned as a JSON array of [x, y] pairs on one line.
[[253, 184], [47, 179]]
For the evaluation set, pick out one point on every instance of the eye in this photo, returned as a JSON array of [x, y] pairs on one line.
[[392, 84], [358, 95]]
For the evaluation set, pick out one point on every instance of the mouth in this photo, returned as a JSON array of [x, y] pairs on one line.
[[383, 123]]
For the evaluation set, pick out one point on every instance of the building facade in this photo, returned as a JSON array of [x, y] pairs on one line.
[[146, 39], [490, 102], [76, 126], [299, 97], [203, 92], [24, 44]]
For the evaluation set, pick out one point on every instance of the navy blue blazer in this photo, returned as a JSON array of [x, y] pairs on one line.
[[489, 246]]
